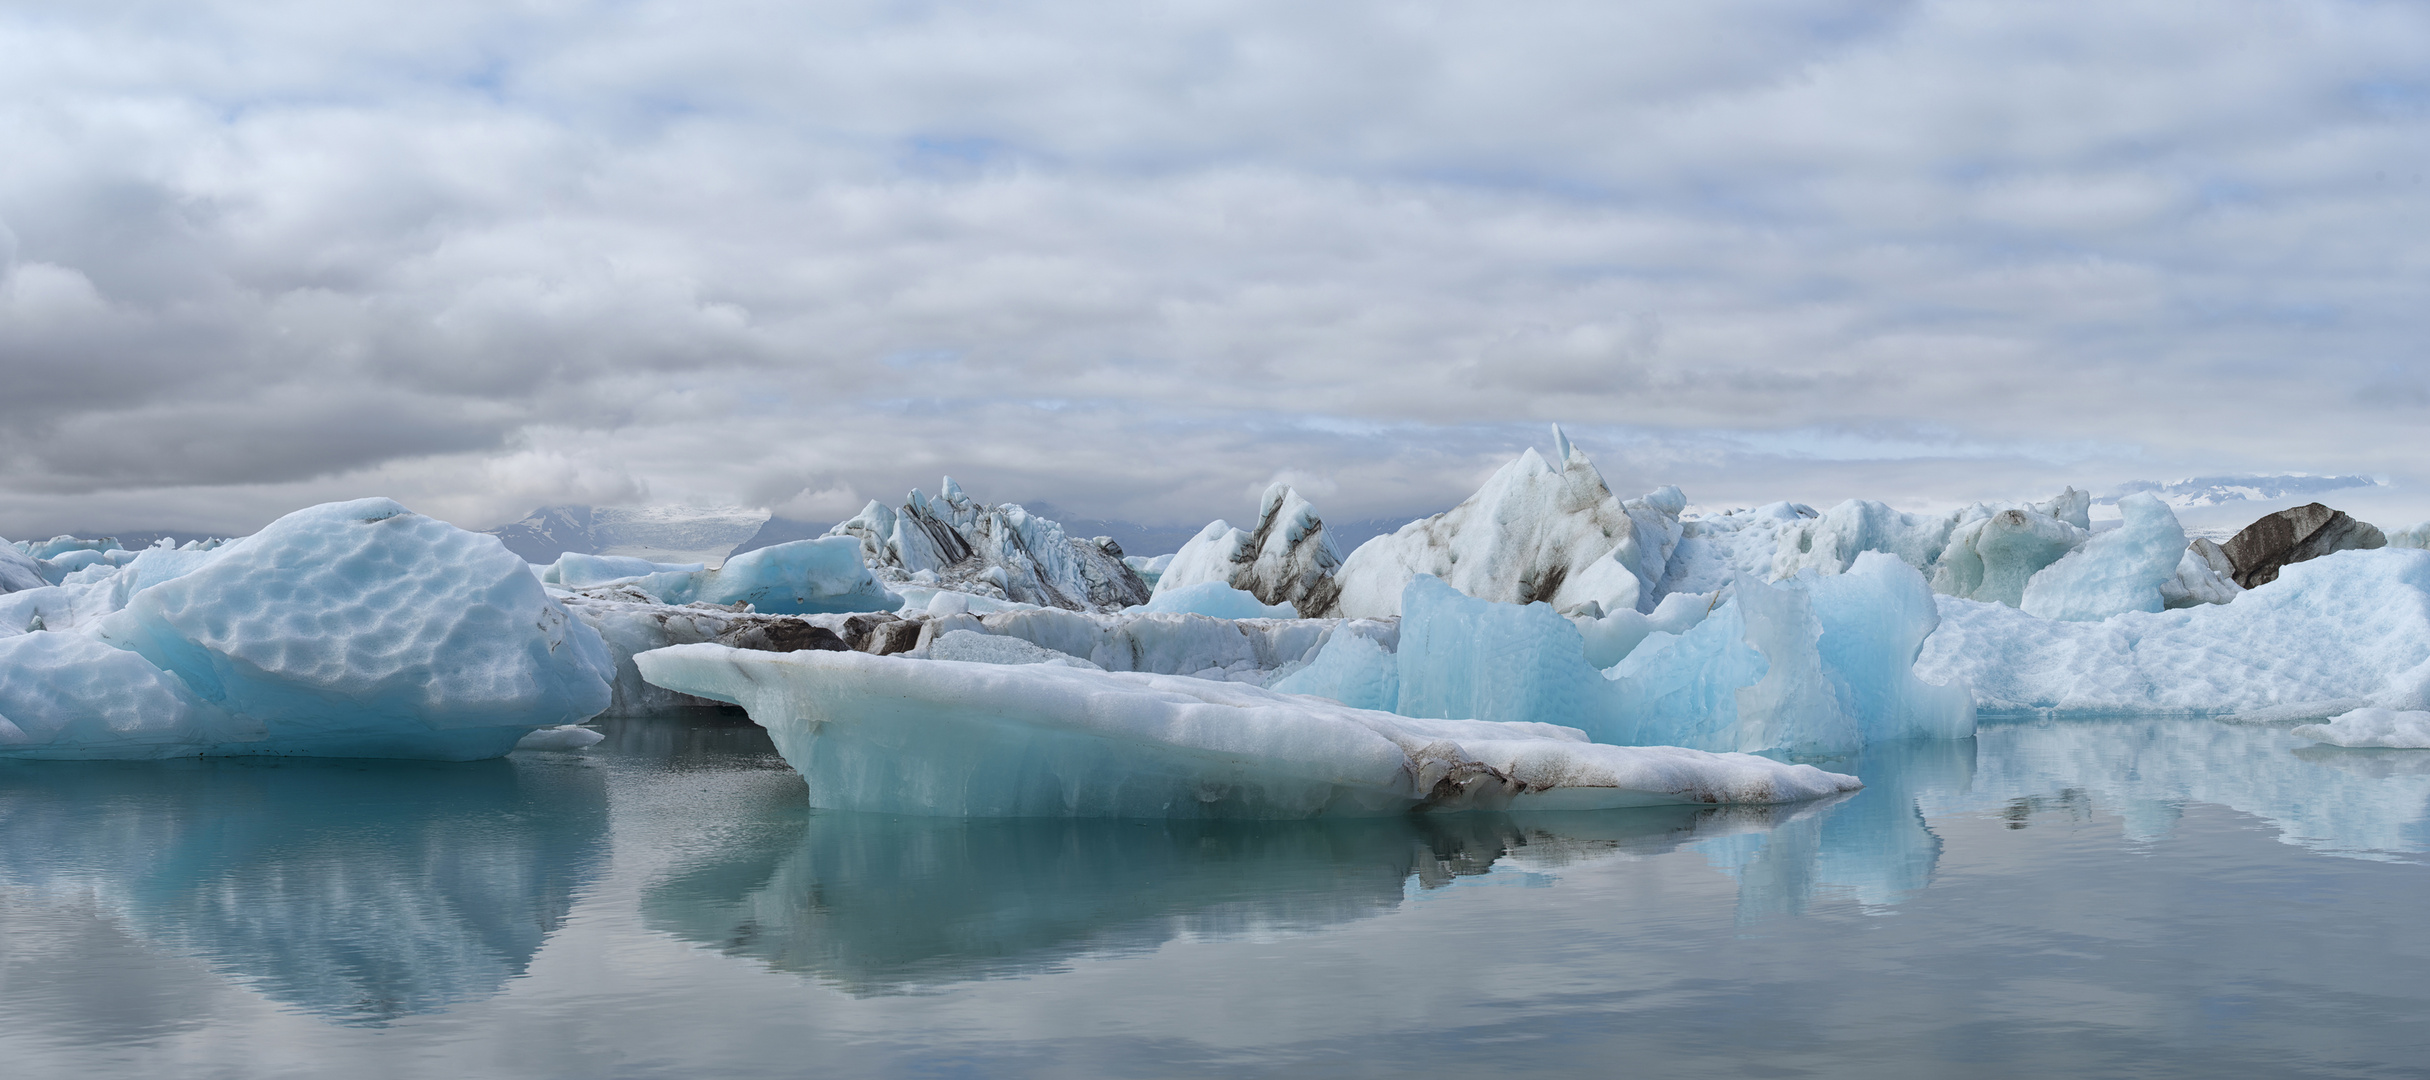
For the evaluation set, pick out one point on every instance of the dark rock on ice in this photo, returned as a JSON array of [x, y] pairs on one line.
[[784, 635], [2291, 536]]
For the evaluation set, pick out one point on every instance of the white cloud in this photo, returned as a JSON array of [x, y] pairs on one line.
[[1134, 263]]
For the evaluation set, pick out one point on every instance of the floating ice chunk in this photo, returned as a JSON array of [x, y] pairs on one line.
[[2345, 627], [68, 696], [955, 542], [1875, 619], [2118, 571], [362, 629], [1150, 570], [1217, 600], [936, 737], [1286, 560], [1531, 533], [1829, 544], [575, 570], [2416, 537], [1608, 638], [798, 578], [2198, 581], [1991, 558], [561, 737], [1464, 657], [2408, 730], [970, 646], [1801, 666], [1354, 668]]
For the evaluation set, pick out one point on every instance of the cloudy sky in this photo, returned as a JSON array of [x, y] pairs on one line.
[[1139, 259]]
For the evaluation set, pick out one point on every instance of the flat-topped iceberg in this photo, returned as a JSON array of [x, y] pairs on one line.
[[356, 629], [946, 738]]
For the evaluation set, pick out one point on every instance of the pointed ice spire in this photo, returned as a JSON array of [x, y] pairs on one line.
[[952, 492], [1560, 445]]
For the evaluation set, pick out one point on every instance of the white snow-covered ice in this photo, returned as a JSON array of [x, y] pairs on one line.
[[945, 738], [2386, 728], [2335, 633]]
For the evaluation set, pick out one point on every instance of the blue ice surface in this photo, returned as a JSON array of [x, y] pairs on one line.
[[356, 629], [1816, 664], [2115, 572], [1217, 600]]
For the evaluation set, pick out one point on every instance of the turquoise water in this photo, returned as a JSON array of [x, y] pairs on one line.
[[2129, 898]]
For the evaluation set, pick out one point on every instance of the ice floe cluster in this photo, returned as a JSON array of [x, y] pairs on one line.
[[1546, 642]]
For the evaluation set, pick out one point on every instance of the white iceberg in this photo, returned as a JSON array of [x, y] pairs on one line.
[[1005, 552], [2335, 633], [937, 737], [354, 629], [2118, 571], [2389, 728], [1992, 557], [1532, 533], [1286, 561], [1830, 544]]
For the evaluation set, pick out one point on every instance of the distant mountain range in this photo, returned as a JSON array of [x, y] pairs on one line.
[[2219, 490]]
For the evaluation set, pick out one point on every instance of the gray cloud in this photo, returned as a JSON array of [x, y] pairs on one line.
[[1138, 263]]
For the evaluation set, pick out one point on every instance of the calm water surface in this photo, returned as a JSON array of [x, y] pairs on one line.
[[2133, 898]]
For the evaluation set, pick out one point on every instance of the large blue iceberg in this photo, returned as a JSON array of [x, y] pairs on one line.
[[1814, 664], [355, 629]]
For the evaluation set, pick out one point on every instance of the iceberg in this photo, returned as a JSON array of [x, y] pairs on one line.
[[1004, 552], [1532, 533], [356, 629], [1992, 557], [1286, 561], [1218, 600], [1818, 664], [675, 534], [2389, 728], [1830, 543], [944, 738], [576, 570], [2335, 633], [2125, 569], [802, 577]]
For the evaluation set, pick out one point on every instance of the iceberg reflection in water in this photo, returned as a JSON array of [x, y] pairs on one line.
[[2081, 898], [359, 890], [2372, 804], [875, 903]]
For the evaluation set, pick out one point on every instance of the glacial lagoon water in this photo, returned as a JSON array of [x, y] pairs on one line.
[[2119, 898]]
